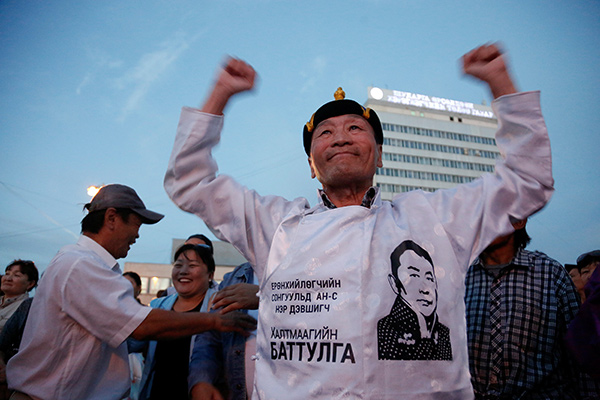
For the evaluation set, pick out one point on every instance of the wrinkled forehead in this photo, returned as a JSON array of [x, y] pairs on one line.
[[345, 118]]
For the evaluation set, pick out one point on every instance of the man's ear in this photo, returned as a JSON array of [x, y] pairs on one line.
[[110, 217], [520, 224], [313, 175], [380, 150]]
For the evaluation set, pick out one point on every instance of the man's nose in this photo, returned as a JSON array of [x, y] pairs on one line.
[[341, 138]]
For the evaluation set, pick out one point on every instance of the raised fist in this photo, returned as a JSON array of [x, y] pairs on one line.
[[487, 64], [235, 77]]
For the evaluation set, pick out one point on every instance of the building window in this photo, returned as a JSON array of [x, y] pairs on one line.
[[439, 134], [410, 144], [428, 176]]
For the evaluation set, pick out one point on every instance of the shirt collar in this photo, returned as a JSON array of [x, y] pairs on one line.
[[90, 244], [366, 202], [6, 302], [521, 259]]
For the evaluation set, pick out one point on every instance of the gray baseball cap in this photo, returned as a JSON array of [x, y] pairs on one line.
[[121, 196]]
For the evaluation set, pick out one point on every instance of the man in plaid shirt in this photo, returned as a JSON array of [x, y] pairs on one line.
[[518, 306]]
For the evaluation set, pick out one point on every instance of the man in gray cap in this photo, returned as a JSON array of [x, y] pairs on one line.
[[74, 345]]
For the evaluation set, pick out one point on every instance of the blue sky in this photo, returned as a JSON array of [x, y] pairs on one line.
[[90, 94]]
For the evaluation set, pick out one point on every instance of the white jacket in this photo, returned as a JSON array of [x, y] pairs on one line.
[[323, 272]]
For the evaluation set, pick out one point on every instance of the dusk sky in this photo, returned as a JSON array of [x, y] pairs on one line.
[[91, 91]]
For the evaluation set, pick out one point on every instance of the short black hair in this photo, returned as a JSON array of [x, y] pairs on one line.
[[570, 267], [203, 251], [404, 246], [28, 268], [204, 239], [135, 276], [94, 221], [521, 239]]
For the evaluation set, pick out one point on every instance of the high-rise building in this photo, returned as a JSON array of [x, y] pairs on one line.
[[430, 142]]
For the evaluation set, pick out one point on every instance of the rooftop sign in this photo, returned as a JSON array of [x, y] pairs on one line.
[[434, 103]]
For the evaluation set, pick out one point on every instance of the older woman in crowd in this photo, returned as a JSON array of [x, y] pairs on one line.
[[167, 362], [20, 277]]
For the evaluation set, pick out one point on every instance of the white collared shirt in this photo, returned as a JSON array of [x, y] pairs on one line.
[[74, 345]]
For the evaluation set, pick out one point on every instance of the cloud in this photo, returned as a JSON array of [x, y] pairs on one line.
[[86, 80], [315, 71], [101, 60], [149, 68]]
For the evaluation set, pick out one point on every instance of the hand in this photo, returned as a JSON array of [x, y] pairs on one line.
[[487, 64], [235, 322], [205, 391], [235, 77], [241, 296]]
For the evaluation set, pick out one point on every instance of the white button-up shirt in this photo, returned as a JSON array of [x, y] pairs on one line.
[[74, 345]]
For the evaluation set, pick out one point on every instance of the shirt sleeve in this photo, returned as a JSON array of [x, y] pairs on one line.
[[474, 214], [101, 300], [206, 362], [233, 213]]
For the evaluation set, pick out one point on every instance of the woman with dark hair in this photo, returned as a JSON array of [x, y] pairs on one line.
[[166, 368], [20, 277]]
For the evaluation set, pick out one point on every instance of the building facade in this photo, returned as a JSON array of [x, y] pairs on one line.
[[430, 142]]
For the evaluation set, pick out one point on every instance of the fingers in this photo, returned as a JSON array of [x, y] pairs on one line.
[[236, 297], [231, 307], [240, 68], [481, 54], [488, 64], [238, 322], [238, 74]]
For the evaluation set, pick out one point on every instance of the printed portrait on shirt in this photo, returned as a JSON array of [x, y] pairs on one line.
[[412, 330]]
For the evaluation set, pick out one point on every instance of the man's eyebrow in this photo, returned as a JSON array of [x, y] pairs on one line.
[[415, 268], [327, 122]]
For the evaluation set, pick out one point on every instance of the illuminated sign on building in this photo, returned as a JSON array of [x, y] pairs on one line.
[[434, 103]]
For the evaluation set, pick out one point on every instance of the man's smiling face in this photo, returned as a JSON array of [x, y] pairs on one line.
[[418, 281], [344, 152]]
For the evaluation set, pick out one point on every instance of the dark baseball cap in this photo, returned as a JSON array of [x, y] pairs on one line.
[[586, 258], [121, 196]]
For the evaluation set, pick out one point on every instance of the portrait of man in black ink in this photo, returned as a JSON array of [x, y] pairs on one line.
[[412, 330]]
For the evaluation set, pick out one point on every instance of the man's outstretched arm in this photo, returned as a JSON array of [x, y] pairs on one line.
[[164, 324], [487, 64], [236, 76]]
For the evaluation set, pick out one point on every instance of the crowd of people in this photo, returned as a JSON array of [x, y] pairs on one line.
[[427, 296]]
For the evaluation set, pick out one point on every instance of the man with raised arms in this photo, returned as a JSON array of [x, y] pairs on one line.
[[323, 270]]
